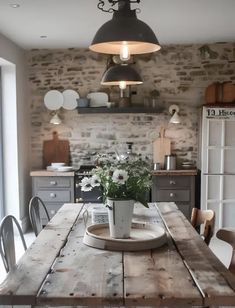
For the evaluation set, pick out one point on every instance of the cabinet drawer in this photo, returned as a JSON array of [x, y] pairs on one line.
[[55, 195], [47, 182], [172, 181], [172, 195]]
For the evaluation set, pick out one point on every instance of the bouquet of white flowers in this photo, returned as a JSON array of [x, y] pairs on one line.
[[122, 180]]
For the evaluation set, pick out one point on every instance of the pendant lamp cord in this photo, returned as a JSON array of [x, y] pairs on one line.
[[122, 5]]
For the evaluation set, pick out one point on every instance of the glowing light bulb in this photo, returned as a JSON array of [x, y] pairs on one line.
[[122, 85], [124, 52]]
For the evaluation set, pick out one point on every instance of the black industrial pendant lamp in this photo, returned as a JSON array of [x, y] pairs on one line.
[[122, 75], [124, 34]]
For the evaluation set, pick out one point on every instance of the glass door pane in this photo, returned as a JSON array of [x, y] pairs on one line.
[[229, 133], [215, 133], [229, 165], [214, 161]]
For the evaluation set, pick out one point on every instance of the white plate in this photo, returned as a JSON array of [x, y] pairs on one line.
[[53, 100], [50, 168], [70, 99], [57, 164], [98, 99], [64, 169]]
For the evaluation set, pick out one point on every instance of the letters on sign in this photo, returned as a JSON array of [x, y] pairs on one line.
[[220, 113]]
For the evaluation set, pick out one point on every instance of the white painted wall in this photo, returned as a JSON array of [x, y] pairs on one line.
[[16, 129]]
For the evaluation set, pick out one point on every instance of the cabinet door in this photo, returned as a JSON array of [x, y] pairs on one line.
[[178, 189], [54, 192]]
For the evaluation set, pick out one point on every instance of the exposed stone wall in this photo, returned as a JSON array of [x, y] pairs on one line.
[[180, 73]]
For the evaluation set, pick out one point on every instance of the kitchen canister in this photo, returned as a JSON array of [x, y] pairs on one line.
[[99, 215], [170, 162], [83, 102]]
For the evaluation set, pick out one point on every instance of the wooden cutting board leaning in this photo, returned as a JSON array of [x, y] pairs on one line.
[[55, 151], [161, 147]]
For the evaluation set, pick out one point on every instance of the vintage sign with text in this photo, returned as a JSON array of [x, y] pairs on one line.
[[220, 113]]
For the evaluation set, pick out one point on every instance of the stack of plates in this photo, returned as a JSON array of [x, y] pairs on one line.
[[188, 165], [59, 167], [98, 99]]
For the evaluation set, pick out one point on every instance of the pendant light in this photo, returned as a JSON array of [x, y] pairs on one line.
[[122, 75], [124, 34]]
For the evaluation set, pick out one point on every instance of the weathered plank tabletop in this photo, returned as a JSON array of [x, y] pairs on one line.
[[59, 270]]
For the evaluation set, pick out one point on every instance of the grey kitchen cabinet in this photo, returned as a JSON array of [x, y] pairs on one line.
[[54, 190], [176, 188]]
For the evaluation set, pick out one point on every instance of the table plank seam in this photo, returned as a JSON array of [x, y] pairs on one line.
[[217, 283], [123, 279], [40, 290], [182, 257]]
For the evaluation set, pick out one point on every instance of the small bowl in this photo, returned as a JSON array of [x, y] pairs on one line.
[[64, 168], [57, 164]]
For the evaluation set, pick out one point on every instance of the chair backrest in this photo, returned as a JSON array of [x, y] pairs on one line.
[[7, 241], [229, 237], [36, 206], [207, 218]]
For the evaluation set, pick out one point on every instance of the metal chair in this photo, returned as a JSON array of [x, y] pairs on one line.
[[36, 206], [229, 237], [7, 241], [207, 218]]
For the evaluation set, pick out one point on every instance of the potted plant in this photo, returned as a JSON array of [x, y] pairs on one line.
[[123, 183]]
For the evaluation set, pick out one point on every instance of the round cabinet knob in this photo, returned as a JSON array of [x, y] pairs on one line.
[[53, 183], [52, 195], [172, 183], [172, 195]]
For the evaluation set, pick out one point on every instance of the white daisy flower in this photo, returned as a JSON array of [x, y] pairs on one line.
[[86, 184], [120, 176], [95, 180]]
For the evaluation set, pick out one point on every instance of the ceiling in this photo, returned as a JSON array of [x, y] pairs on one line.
[[73, 23]]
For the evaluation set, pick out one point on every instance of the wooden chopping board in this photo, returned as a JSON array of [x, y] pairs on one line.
[[161, 147], [55, 151]]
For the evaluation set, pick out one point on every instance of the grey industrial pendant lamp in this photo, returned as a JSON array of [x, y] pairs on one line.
[[122, 75], [124, 34]]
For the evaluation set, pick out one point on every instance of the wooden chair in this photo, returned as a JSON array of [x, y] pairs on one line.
[[36, 206], [229, 237], [207, 218], [7, 241]]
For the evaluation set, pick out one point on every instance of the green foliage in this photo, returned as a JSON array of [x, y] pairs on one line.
[[125, 180]]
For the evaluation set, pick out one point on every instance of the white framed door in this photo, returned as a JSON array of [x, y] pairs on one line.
[[218, 164], [2, 212]]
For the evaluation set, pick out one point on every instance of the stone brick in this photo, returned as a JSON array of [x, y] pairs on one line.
[[179, 72]]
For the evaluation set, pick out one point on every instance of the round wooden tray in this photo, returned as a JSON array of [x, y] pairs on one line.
[[142, 237]]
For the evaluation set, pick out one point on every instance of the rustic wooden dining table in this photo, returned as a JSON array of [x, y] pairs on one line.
[[59, 270]]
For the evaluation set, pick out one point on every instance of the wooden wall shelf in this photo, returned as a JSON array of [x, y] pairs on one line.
[[133, 109], [219, 105]]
